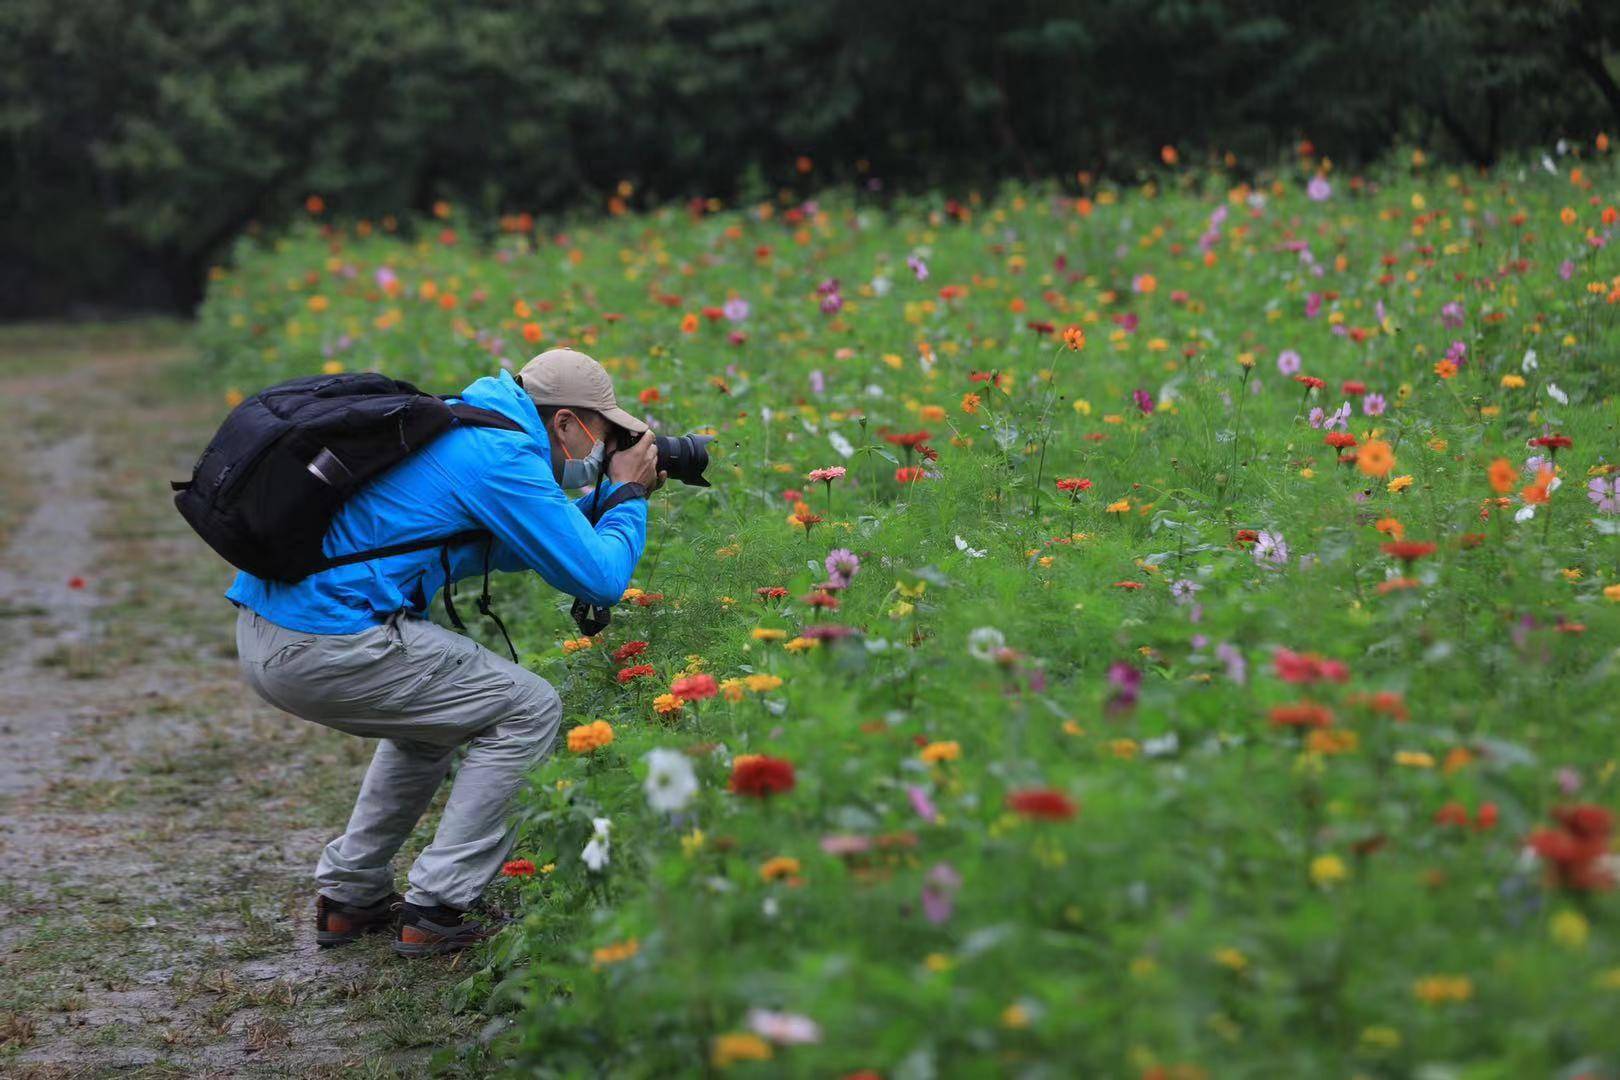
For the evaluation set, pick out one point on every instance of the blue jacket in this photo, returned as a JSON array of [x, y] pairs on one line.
[[469, 478]]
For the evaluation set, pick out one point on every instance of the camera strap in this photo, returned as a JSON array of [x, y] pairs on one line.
[[484, 607]]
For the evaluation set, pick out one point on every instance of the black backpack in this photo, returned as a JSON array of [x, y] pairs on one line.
[[264, 492]]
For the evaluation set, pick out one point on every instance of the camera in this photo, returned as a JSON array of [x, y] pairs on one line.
[[683, 457]]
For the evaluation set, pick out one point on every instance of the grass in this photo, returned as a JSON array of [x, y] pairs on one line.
[[1182, 771]]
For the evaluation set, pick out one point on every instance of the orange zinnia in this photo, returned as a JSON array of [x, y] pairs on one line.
[[1502, 475], [1375, 458]]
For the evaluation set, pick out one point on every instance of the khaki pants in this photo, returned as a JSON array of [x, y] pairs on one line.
[[422, 690]]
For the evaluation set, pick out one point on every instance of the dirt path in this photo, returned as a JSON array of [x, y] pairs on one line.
[[157, 823]]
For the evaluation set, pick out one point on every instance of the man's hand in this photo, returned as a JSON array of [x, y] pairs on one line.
[[638, 464]]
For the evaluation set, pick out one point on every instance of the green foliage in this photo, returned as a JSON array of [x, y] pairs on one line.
[[1235, 896], [141, 137]]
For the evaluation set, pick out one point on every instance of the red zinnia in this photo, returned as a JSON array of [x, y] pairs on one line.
[[1339, 439], [822, 599], [1553, 442], [1302, 715], [629, 649], [1408, 551], [518, 868], [694, 687], [909, 439], [905, 474], [1575, 850], [1310, 381], [1074, 484], [761, 776], [770, 592], [1306, 668], [1247, 536], [1042, 803], [640, 671], [1353, 388]]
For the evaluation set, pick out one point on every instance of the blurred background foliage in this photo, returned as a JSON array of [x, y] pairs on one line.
[[141, 136]]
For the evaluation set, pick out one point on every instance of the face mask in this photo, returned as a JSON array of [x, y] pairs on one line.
[[585, 471]]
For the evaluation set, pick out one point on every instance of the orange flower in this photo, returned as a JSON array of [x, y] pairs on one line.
[[531, 332], [1445, 369], [1536, 493], [1391, 527], [1502, 475], [689, 323], [1375, 458], [1074, 338], [971, 403], [588, 738]]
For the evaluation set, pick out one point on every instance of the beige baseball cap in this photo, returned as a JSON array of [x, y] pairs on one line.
[[568, 378]]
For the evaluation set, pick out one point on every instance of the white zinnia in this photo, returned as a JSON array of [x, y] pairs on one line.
[[596, 852], [985, 642], [671, 783], [970, 552], [782, 1028]]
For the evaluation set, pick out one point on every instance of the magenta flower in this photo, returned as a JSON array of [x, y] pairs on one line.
[[921, 804], [1373, 405], [939, 893], [1288, 362], [1319, 189], [1452, 315], [842, 563], [1604, 493], [918, 266], [735, 309], [1270, 547], [1144, 400], [1313, 305]]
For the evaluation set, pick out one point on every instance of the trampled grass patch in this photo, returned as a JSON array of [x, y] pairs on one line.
[[1164, 632]]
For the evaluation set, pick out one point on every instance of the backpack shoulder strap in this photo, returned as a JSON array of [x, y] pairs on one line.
[[473, 416], [406, 548]]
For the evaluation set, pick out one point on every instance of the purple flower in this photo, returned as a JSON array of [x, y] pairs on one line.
[[918, 266], [1184, 590], [1319, 189], [1373, 405], [1566, 269], [1569, 781], [939, 892], [1144, 400], [1457, 353], [831, 303], [1313, 305], [1338, 418], [921, 803], [1452, 315], [1270, 547], [818, 382], [735, 309], [1124, 678], [1316, 417], [385, 277], [1237, 669], [842, 564], [828, 287], [1605, 493], [1288, 362]]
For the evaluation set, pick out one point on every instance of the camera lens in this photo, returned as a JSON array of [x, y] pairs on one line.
[[684, 457]]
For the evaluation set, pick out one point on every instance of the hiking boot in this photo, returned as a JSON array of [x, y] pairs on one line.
[[434, 931], [339, 924]]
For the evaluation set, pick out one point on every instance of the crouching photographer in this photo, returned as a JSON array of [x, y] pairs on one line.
[[371, 498]]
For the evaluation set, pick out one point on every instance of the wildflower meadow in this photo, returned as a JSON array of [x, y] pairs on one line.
[[1157, 630]]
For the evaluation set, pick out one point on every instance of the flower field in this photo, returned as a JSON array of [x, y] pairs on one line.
[[1164, 631]]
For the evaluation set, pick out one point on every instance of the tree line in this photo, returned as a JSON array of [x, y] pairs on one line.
[[141, 136]]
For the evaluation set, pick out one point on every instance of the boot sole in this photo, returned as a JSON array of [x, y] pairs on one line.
[[418, 951]]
